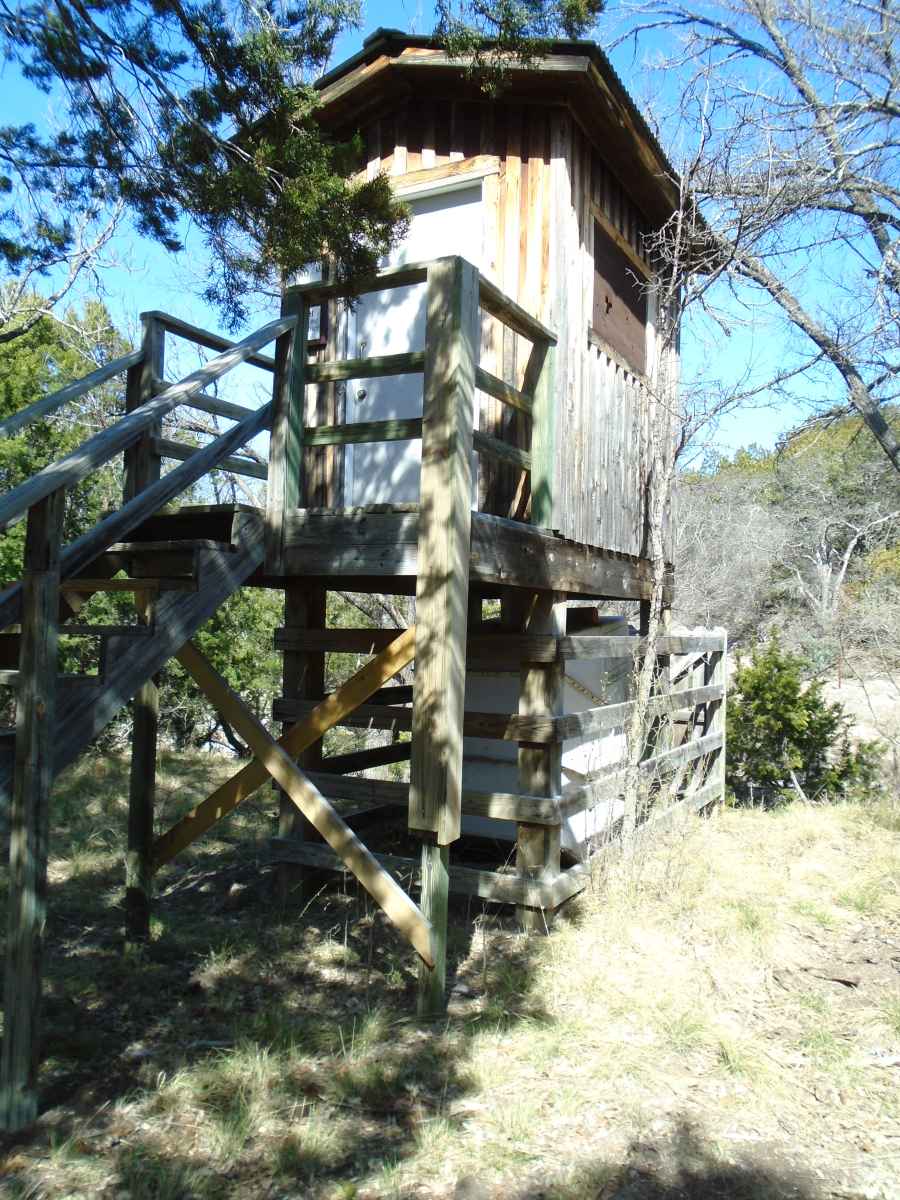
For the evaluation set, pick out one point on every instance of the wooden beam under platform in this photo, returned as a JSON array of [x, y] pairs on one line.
[[496, 886], [379, 545]]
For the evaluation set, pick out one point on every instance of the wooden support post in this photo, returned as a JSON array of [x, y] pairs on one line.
[[29, 814], [286, 486], [716, 672], [543, 436], [540, 767], [434, 901], [142, 461], [141, 803], [143, 467], [442, 585], [303, 674]]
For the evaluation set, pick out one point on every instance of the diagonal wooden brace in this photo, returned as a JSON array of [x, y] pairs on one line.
[[383, 888], [228, 796]]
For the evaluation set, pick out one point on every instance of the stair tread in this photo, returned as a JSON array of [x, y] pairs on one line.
[[10, 678], [106, 630], [168, 544]]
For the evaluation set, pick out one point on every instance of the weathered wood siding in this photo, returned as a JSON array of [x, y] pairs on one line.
[[540, 207]]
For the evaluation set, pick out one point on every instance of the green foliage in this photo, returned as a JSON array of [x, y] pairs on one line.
[[207, 111], [485, 32], [52, 354], [780, 730], [204, 110], [239, 640]]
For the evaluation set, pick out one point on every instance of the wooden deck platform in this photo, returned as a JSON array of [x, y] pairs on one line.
[[376, 549]]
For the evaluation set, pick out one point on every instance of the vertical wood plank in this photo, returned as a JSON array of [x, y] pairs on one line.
[[558, 291], [29, 814], [142, 463], [285, 481], [442, 585], [434, 901], [540, 767], [142, 467], [141, 805], [428, 137], [543, 438], [303, 677], [716, 671]]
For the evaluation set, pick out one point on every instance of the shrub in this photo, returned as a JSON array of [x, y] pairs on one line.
[[784, 736]]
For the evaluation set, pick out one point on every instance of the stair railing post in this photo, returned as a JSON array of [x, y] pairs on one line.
[[303, 674], [142, 462], [286, 486], [542, 367], [442, 591], [29, 813], [143, 466]]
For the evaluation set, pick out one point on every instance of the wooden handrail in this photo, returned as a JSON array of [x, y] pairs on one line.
[[118, 525], [103, 446], [203, 337], [491, 298], [50, 404]]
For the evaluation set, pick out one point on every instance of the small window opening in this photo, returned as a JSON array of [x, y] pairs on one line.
[[620, 301]]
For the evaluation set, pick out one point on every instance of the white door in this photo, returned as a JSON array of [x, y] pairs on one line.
[[393, 322]]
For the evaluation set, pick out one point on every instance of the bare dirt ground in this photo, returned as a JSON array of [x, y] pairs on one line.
[[721, 1020]]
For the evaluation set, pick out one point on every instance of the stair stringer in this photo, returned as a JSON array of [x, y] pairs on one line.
[[84, 710]]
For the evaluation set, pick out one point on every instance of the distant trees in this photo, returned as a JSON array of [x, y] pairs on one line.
[[785, 739], [798, 540], [53, 352], [785, 119]]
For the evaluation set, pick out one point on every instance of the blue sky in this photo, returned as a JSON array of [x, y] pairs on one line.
[[147, 277]]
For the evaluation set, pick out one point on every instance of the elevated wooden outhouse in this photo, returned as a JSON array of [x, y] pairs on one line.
[[469, 426], [552, 190]]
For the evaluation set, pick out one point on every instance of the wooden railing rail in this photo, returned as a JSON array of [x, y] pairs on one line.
[[115, 528], [47, 405], [103, 446], [203, 337], [532, 399]]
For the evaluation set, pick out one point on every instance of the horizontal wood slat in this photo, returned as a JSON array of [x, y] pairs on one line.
[[494, 886], [366, 368], [362, 760], [219, 408], [597, 786], [237, 466], [504, 648], [499, 806], [358, 432], [394, 277], [502, 451], [204, 337], [504, 392], [511, 727]]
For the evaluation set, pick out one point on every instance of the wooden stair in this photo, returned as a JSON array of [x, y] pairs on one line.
[[215, 548]]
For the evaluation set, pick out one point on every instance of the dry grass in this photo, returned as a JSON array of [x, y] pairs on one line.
[[719, 1020]]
